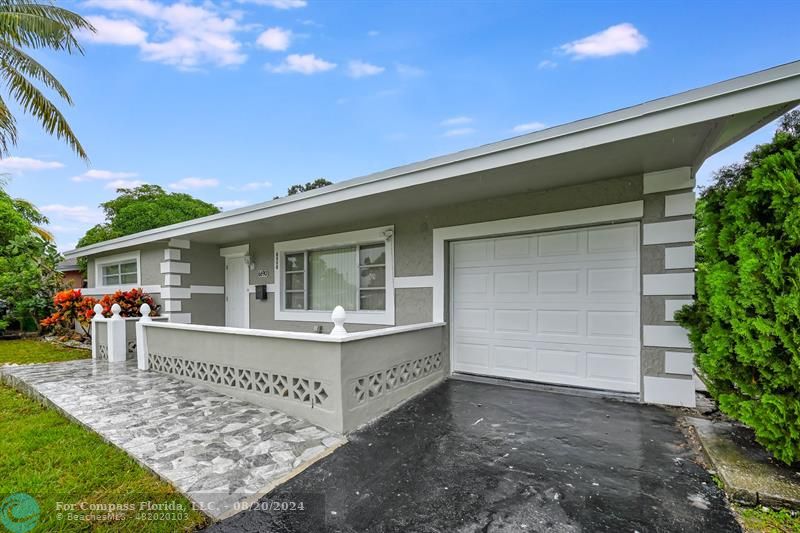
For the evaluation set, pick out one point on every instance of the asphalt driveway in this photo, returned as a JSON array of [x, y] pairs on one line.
[[473, 457]]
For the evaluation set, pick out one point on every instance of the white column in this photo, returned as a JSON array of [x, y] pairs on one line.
[[142, 361], [117, 344], [98, 317]]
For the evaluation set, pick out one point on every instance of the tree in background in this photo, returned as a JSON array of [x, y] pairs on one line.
[[311, 185], [143, 208], [28, 259], [745, 322], [35, 25]]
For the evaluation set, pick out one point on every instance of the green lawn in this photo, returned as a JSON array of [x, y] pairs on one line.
[[758, 520], [55, 460], [35, 351]]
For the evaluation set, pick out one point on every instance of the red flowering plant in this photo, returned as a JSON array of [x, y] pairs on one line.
[[129, 302], [70, 305]]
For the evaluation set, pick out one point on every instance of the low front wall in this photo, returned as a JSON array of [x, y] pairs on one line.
[[338, 383]]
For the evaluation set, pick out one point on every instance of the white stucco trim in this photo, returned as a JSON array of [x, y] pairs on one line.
[[207, 289], [668, 232], [383, 234], [413, 282], [665, 337], [673, 306], [669, 391], [296, 335], [175, 293], [561, 219], [175, 267], [668, 284], [100, 262], [679, 204], [679, 363], [173, 280], [235, 251], [668, 180], [180, 243], [172, 254], [679, 257], [172, 306]]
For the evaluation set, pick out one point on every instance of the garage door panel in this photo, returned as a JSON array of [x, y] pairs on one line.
[[512, 248], [558, 282], [560, 244], [512, 359], [519, 321], [560, 307]]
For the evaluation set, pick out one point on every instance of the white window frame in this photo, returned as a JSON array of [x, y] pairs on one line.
[[117, 259], [353, 238]]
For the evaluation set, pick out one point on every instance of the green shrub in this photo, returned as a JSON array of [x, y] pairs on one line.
[[745, 323]]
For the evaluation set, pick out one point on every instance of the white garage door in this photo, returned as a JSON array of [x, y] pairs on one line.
[[560, 307]]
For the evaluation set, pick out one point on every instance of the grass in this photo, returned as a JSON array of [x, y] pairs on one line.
[[28, 351], [47, 456], [760, 520]]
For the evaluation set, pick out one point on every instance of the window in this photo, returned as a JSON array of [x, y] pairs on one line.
[[118, 271], [351, 276], [352, 269]]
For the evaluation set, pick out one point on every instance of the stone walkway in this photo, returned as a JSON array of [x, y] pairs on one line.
[[221, 452]]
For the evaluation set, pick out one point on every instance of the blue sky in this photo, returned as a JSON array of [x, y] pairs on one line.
[[234, 100]]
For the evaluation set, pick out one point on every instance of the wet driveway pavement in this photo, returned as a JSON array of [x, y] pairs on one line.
[[474, 457]]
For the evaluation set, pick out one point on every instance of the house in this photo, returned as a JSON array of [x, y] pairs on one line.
[[556, 257], [73, 277]]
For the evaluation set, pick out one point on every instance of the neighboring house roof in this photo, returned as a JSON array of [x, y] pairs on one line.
[[679, 130], [68, 265]]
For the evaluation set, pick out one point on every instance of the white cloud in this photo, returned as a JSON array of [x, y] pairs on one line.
[[360, 69], [529, 126], [252, 186], [78, 213], [124, 184], [231, 204], [276, 39], [277, 4], [620, 39], [193, 183], [97, 174], [373, 33], [456, 121], [114, 31], [409, 71], [458, 132], [189, 36], [304, 64], [546, 64], [25, 164]]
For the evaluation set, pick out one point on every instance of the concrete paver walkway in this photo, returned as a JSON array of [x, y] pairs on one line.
[[222, 453]]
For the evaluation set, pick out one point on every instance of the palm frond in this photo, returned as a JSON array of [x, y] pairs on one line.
[[41, 25], [14, 58], [35, 103], [8, 128], [44, 234]]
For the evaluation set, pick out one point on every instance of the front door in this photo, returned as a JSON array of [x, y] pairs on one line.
[[236, 301]]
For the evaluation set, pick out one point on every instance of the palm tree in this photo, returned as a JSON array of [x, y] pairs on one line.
[[35, 25]]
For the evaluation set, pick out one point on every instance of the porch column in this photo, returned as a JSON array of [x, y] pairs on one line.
[[117, 343], [176, 270], [667, 264]]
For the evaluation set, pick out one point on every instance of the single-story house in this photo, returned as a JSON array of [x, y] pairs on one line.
[[556, 257]]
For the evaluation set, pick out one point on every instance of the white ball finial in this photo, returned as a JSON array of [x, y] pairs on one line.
[[98, 311], [115, 311], [144, 310], [338, 317]]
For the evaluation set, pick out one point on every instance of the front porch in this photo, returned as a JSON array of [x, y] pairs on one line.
[[221, 452]]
